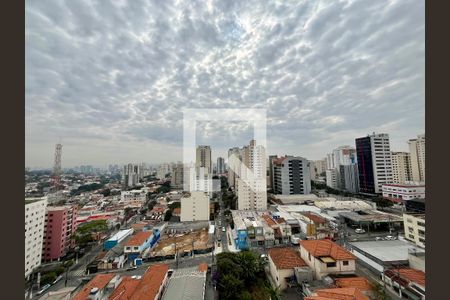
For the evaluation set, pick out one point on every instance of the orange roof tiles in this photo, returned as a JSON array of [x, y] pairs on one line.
[[281, 221], [100, 281], [203, 267], [339, 293], [319, 248], [315, 218], [286, 258], [411, 275], [269, 220], [360, 283], [150, 284], [139, 238], [125, 289]]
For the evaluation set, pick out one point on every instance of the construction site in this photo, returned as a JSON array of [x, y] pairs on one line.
[[169, 244]]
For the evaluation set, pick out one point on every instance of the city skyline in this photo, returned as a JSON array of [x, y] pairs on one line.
[[113, 87]]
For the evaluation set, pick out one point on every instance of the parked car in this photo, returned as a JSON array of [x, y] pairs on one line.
[[132, 268], [390, 238], [378, 238], [223, 229], [359, 230], [44, 288]]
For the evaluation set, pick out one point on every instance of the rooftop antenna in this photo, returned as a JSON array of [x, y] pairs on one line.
[[57, 165]]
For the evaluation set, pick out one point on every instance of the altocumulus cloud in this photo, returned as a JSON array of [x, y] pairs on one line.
[[111, 77]]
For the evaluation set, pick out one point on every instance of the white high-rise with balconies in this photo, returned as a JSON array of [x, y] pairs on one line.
[[252, 181], [417, 152], [34, 232], [401, 167]]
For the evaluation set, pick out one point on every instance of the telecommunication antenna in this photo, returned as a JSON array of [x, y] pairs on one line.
[[57, 166]]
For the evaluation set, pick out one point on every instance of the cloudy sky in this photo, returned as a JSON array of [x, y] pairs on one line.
[[110, 79]]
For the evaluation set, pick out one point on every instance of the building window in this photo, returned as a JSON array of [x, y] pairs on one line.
[[345, 262], [309, 256], [331, 264]]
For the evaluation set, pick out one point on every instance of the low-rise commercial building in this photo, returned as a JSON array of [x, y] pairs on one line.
[[138, 243], [187, 283], [408, 283], [415, 228], [401, 192]]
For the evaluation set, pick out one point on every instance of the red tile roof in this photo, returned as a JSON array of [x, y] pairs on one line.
[[125, 289], [203, 267], [315, 218], [281, 221], [411, 275], [269, 220], [100, 281], [339, 293], [286, 258], [139, 238], [150, 284], [360, 283], [320, 248]]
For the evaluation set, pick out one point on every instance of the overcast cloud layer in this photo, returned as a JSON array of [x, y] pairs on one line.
[[110, 78]]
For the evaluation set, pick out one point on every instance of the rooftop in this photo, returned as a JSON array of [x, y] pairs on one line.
[[320, 248], [125, 289], [360, 283], [385, 251], [139, 238], [148, 287], [338, 293], [315, 218], [286, 258], [100, 281], [186, 284], [411, 275]]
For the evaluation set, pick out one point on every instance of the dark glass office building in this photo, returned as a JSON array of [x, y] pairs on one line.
[[365, 166]]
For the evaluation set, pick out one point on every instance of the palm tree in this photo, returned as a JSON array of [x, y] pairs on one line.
[[274, 292]]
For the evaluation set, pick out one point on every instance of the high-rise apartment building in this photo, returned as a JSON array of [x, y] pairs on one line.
[[177, 176], [331, 178], [348, 176], [417, 152], [401, 167], [271, 158], [130, 175], [374, 162], [220, 165], [60, 225], [163, 171], [233, 166], [203, 158], [291, 175], [34, 232], [252, 181], [312, 170]]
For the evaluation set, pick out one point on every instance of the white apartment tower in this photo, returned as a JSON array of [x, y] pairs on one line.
[[417, 152], [34, 232], [401, 167], [232, 175], [252, 181]]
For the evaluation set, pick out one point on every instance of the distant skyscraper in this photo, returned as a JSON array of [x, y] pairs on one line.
[[331, 178], [374, 162], [321, 166], [344, 156], [271, 158], [177, 175], [417, 151], [401, 167], [291, 175], [130, 175], [252, 192], [203, 158], [220, 165]]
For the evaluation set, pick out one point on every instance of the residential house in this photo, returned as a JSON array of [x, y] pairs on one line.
[[282, 262], [325, 257]]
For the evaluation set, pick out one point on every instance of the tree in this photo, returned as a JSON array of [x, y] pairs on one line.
[[274, 292], [379, 292], [229, 287], [48, 278]]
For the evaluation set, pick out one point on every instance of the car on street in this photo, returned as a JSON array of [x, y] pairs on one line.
[[44, 288], [390, 238], [359, 230], [223, 229], [131, 268], [378, 238]]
